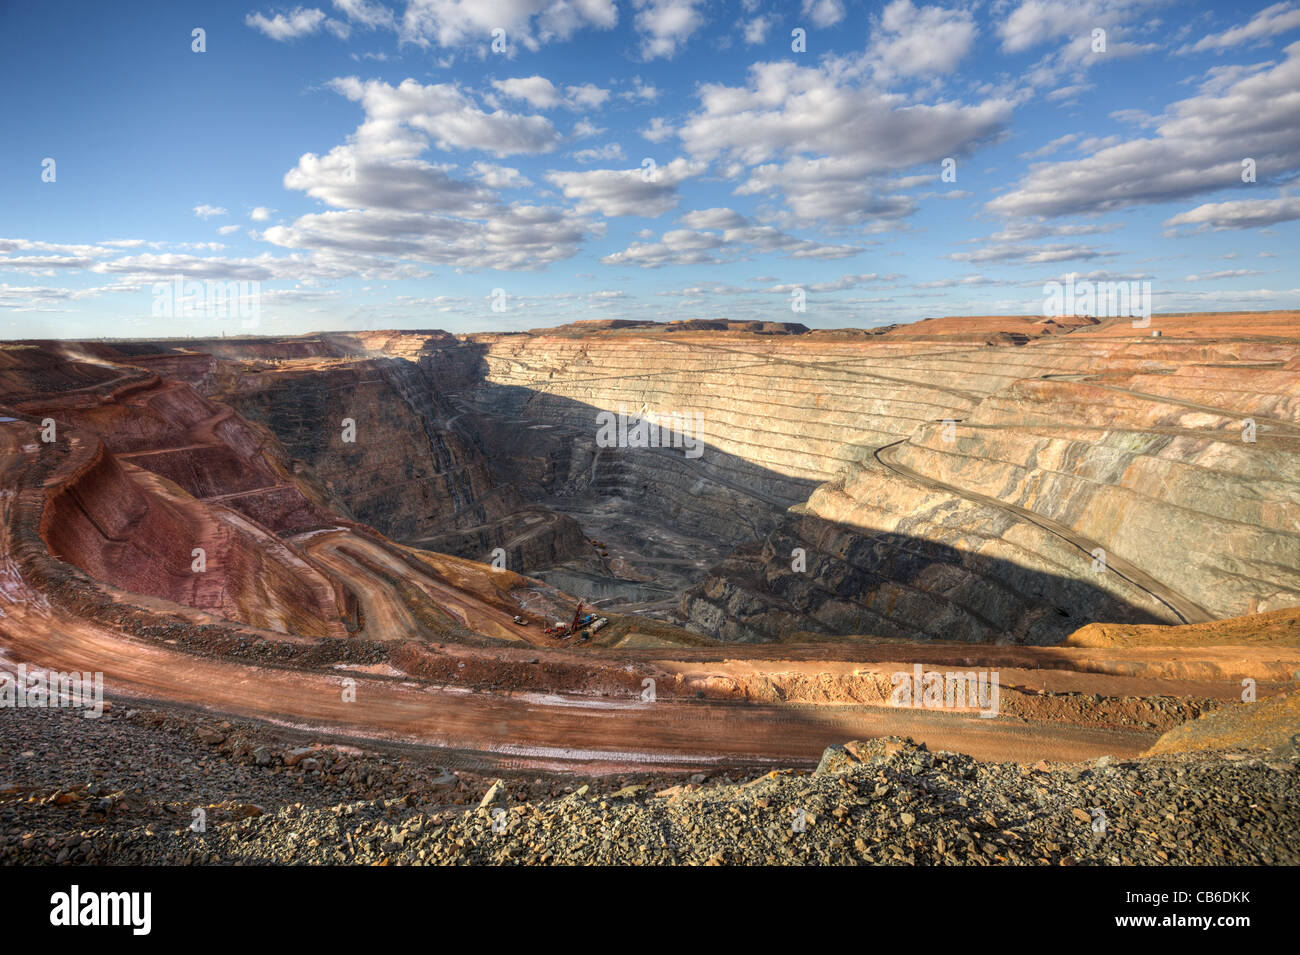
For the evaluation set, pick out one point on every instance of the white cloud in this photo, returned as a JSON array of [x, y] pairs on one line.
[[963, 281], [1031, 254], [840, 284], [537, 91], [1240, 213], [1197, 147], [500, 177], [823, 13], [715, 236], [1220, 275], [448, 114], [1035, 22], [350, 177], [519, 236], [626, 192], [260, 214], [393, 206], [610, 152], [837, 190], [1268, 23], [641, 91], [206, 211], [755, 31], [301, 21], [787, 108], [371, 16], [657, 131], [587, 96], [817, 139], [919, 41], [450, 23], [227, 229], [44, 263], [666, 25], [541, 93], [151, 266]]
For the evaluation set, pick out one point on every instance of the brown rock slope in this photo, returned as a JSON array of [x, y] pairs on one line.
[[407, 470]]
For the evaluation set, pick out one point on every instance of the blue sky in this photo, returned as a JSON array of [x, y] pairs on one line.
[[388, 165]]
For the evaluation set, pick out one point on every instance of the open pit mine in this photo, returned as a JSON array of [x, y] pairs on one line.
[[971, 590]]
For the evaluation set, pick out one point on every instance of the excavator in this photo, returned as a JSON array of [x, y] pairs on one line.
[[580, 620]]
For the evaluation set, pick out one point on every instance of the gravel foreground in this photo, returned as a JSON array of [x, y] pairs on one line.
[[124, 790]]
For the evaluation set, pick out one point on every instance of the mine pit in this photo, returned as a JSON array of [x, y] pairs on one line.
[[1073, 511]]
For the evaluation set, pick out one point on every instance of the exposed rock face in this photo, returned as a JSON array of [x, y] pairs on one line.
[[131, 460], [408, 470], [974, 479], [145, 540], [136, 506], [956, 479]]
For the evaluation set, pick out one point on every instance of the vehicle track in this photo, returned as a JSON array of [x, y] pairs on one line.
[[1187, 610]]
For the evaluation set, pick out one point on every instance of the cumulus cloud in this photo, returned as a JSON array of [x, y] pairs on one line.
[[626, 192], [825, 190], [817, 138], [449, 115], [451, 23], [301, 21], [347, 177], [519, 236], [1197, 147], [44, 263], [586, 96], [1034, 22], [658, 130], [541, 93], [206, 211], [666, 25], [925, 41], [537, 91], [1240, 213], [641, 91], [1070, 25], [500, 177], [788, 108], [391, 204]]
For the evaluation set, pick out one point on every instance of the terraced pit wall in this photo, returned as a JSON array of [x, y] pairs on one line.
[[1054, 496]]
